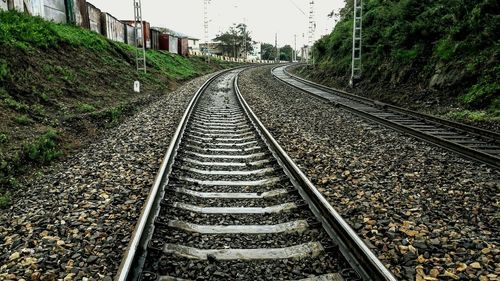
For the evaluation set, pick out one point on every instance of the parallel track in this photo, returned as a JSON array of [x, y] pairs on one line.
[[229, 204], [475, 143]]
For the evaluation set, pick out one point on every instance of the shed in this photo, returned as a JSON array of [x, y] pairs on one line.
[[173, 44], [164, 41], [130, 34], [182, 48], [145, 30], [94, 18], [112, 28], [155, 38]]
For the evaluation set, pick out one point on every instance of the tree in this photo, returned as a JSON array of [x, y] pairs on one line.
[[233, 41], [286, 53], [268, 51]]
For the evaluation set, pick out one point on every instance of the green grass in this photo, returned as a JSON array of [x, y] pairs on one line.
[[3, 138], [44, 149], [23, 120], [13, 104], [474, 115], [25, 32], [86, 108], [5, 200]]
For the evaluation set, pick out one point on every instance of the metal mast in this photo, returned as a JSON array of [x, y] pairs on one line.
[[312, 27], [140, 54], [205, 17], [356, 70], [277, 58]]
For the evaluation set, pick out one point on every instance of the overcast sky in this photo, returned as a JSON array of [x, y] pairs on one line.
[[263, 17]]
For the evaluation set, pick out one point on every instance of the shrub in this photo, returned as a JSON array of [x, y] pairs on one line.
[[44, 149], [3, 138], [84, 107], [481, 94], [9, 102], [23, 120], [4, 70], [445, 49]]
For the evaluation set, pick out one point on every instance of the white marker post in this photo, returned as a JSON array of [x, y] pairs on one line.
[[137, 86]]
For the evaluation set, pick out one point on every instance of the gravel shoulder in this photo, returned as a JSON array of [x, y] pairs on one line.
[[75, 220], [428, 213]]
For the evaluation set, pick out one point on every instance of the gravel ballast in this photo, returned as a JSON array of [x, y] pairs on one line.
[[428, 213], [75, 220]]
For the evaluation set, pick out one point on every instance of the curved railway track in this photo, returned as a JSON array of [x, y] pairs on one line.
[[474, 143], [229, 204]]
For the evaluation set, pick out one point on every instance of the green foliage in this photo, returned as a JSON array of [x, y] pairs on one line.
[[462, 34], [23, 31], [268, 51], [445, 49], [4, 69], [407, 55], [44, 149], [23, 120], [5, 200], [233, 39], [18, 106], [286, 53], [481, 95], [3, 138], [84, 107], [171, 65]]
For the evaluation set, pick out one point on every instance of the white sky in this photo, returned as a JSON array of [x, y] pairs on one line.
[[263, 17]]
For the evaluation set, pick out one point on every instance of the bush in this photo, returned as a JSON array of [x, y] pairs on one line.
[[44, 149], [84, 107], [4, 70], [481, 95], [3, 138], [23, 120], [9, 102]]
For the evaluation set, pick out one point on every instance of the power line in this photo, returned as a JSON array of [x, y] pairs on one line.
[[298, 8]]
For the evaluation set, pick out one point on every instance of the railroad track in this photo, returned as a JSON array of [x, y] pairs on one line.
[[229, 204], [474, 143]]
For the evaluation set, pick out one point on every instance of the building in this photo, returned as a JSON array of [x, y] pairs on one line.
[[194, 46], [256, 53]]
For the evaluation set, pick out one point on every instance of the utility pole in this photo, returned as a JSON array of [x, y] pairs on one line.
[[277, 58], [245, 39], [205, 17], [312, 27], [356, 70], [295, 47], [140, 54]]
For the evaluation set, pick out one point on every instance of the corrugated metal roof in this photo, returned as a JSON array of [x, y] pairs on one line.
[[172, 32]]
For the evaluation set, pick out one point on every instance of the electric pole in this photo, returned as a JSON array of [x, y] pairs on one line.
[[312, 27], [140, 45], [205, 17], [277, 59], [356, 70], [295, 47], [244, 39]]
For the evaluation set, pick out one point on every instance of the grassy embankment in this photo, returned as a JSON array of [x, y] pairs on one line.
[[437, 56], [60, 85]]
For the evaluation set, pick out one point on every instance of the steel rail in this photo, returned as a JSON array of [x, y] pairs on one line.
[[463, 150], [143, 230], [464, 127], [360, 257]]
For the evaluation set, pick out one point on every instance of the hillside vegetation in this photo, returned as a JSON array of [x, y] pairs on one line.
[[433, 55], [60, 85]]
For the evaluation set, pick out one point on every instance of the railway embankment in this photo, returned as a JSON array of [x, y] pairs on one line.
[[438, 57], [62, 86]]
